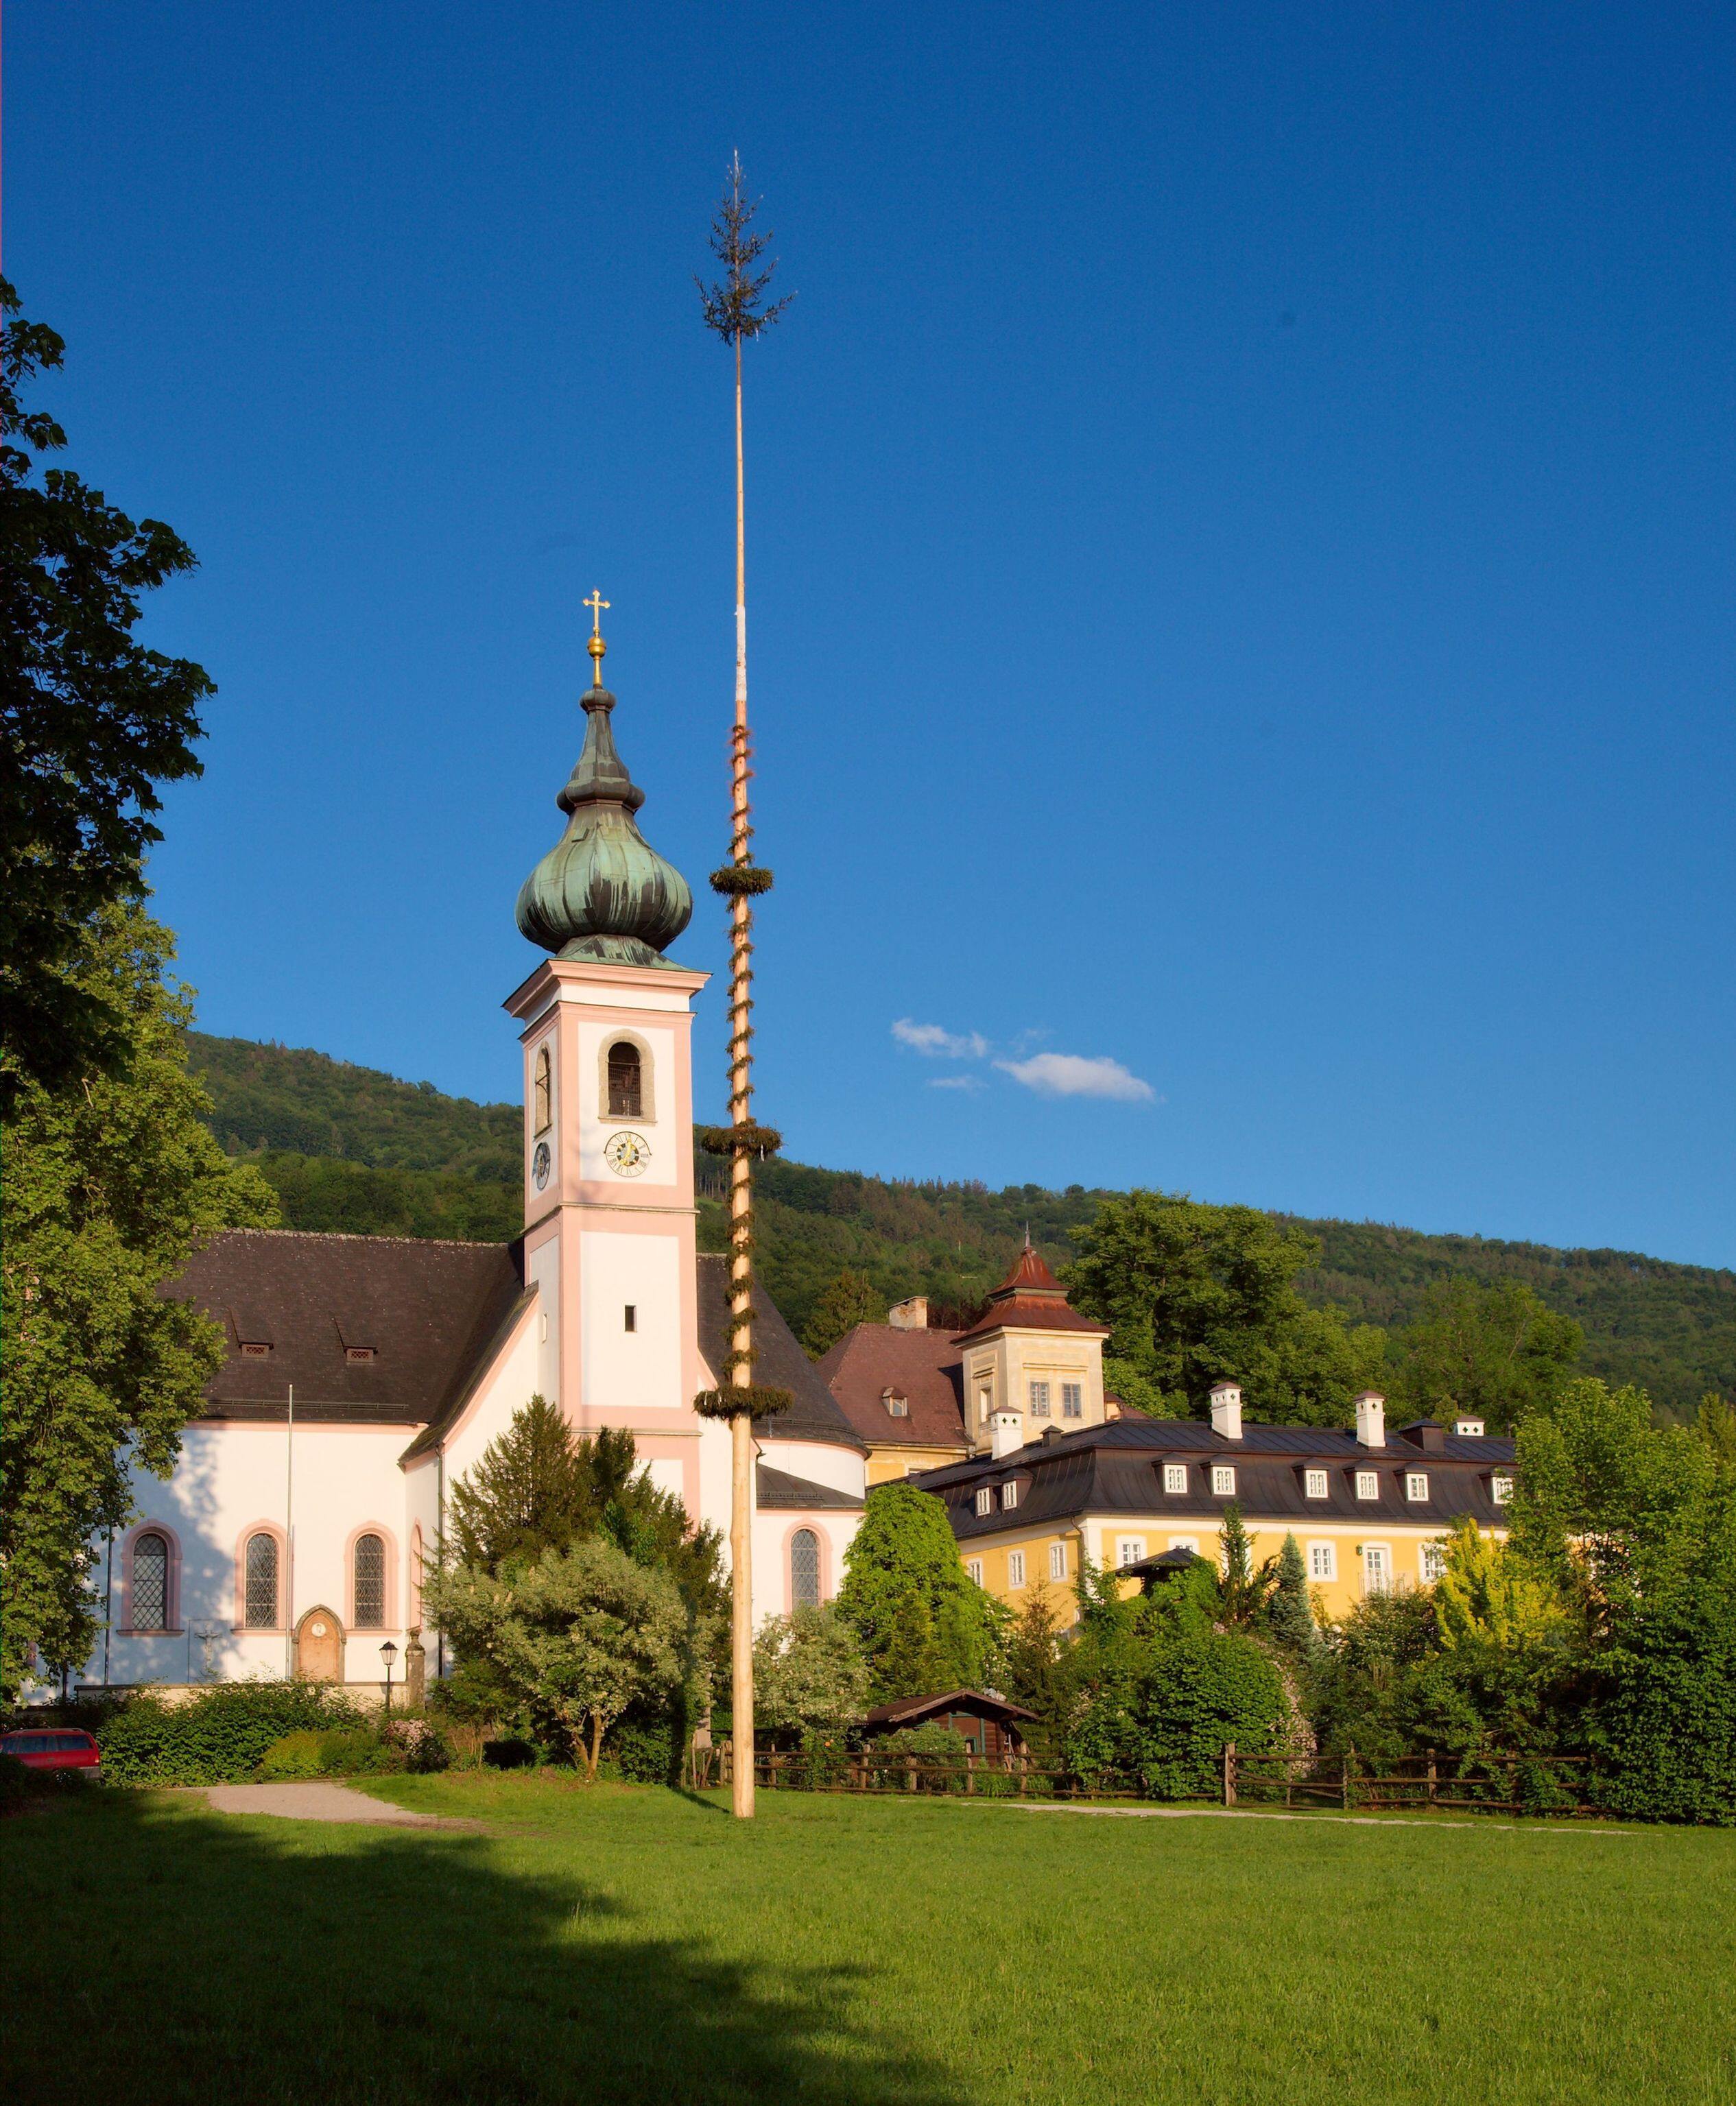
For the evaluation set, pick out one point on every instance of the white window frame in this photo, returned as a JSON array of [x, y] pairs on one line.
[[1038, 1394], [1175, 1477], [1431, 1560], [1223, 1481], [1416, 1485], [1130, 1549], [973, 1570], [1009, 1495], [1073, 1399], [1368, 1484], [1371, 1552], [984, 1500], [1316, 1484], [1501, 1488], [1015, 1568], [1057, 1561], [1322, 1562]]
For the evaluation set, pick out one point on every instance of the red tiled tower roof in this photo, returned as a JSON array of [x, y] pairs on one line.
[[1030, 1298]]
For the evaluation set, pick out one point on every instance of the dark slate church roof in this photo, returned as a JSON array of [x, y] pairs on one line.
[[781, 1364], [430, 1316], [426, 1313]]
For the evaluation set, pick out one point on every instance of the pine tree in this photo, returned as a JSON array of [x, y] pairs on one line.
[[1290, 1613]]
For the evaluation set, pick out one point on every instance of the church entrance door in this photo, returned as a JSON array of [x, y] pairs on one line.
[[319, 1647]]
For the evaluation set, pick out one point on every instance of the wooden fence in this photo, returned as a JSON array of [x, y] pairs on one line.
[[1542, 1784]]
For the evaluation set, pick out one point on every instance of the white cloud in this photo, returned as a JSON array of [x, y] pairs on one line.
[[1073, 1075], [938, 1043], [956, 1082]]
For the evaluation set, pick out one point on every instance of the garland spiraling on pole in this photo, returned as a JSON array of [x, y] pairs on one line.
[[735, 308]]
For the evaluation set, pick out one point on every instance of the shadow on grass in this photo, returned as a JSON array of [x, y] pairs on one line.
[[163, 1954]]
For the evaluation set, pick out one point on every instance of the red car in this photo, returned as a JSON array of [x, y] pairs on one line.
[[60, 1748]]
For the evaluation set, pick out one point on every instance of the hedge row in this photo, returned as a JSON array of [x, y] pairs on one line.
[[219, 1737]]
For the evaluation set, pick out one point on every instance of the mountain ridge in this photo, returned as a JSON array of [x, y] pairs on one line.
[[349, 1148]]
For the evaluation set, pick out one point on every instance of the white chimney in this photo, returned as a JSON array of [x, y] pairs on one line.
[[1469, 1428], [1371, 1419], [1227, 1409], [1006, 1431], [911, 1316]]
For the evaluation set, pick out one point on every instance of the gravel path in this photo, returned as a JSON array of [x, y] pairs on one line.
[[314, 1801]]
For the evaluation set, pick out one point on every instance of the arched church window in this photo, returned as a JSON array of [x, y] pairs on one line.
[[542, 1099], [804, 1570], [371, 1583], [627, 1081], [261, 1581], [151, 1583]]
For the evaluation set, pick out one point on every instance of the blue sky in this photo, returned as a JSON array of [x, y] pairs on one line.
[[1240, 529]]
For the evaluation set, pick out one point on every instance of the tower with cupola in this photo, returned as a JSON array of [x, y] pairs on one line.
[[606, 1023]]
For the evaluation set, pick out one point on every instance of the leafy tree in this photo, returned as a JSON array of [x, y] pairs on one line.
[[108, 1189], [1487, 1596], [850, 1300], [1193, 1293], [1168, 1694], [809, 1672], [578, 1636], [90, 722], [1290, 1611], [1716, 1423], [1138, 1392], [920, 1619], [1493, 1350], [1636, 1528]]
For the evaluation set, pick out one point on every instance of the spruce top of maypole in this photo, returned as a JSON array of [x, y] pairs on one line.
[[602, 892]]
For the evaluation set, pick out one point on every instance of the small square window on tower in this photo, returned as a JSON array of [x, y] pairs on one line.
[[1072, 1400], [630, 1317], [1039, 1400]]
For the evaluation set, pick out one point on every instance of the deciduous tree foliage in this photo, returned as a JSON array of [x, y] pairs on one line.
[[1194, 1294], [850, 1300], [109, 1187], [90, 722], [809, 1672], [578, 1636], [1496, 1351], [924, 1625]]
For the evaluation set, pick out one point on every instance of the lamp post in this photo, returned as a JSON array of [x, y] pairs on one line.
[[389, 1652]]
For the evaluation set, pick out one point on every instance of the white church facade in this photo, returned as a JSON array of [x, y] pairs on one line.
[[364, 1375]]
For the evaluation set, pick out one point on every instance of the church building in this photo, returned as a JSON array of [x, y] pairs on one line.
[[364, 1375]]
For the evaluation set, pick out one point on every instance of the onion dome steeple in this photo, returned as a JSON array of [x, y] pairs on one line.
[[602, 891]]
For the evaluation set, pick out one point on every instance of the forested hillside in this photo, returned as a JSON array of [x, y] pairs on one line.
[[347, 1148]]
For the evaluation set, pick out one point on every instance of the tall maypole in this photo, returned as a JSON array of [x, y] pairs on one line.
[[736, 309]]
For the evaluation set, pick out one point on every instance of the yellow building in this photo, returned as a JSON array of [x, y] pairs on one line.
[[922, 1398], [1370, 1511]]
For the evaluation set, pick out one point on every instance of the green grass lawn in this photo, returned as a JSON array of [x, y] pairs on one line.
[[634, 1945]]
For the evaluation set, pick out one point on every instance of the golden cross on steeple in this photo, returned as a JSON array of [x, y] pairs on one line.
[[596, 647]]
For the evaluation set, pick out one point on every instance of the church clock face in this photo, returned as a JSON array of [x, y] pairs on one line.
[[627, 1153], [540, 1164]]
